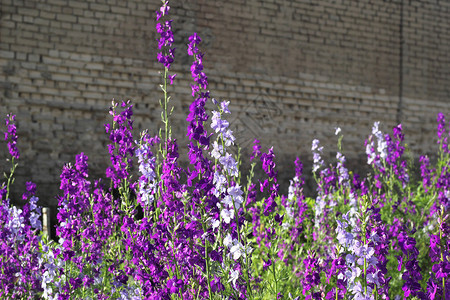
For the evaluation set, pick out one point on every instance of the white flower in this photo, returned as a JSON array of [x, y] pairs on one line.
[[382, 148], [315, 144], [370, 154], [338, 130], [285, 226], [237, 250], [226, 215], [217, 150], [228, 241], [215, 224], [234, 275], [375, 130], [232, 202], [219, 182]]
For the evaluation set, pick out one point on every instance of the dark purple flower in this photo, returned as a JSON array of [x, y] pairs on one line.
[[122, 147], [165, 41], [11, 136], [442, 133]]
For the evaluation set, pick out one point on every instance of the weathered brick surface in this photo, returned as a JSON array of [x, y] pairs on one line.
[[293, 70]]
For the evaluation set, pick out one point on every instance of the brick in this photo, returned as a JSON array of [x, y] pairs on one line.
[[6, 54], [51, 60], [66, 18], [61, 77], [88, 21], [120, 10], [78, 4], [94, 66], [47, 15], [99, 7], [28, 11]]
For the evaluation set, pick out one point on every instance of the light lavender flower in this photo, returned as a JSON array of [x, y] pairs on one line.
[[219, 125], [228, 138], [224, 106], [352, 273], [318, 162], [217, 150], [229, 164]]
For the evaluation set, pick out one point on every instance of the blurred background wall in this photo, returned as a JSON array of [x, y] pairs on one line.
[[292, 69]]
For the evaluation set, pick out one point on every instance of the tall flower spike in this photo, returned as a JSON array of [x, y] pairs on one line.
[[318, 162], [122, 148], [165, 41], [147, 166], [11, 136], [441, 133]]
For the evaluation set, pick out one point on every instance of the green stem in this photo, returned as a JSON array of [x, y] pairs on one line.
[[166, 123], [275, 278], [10, 178], [207, 258]]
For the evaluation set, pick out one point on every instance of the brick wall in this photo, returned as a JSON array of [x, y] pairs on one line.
[[293, 70]]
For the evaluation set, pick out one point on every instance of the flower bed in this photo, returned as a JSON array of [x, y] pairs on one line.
[[204, 232]]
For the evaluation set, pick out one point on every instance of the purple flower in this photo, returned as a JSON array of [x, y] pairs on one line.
[[342, 170], [425, 172], [122, 148], [174, 285], [256, 149], [268, 164], [11, 136], [435, 250], [20, 265], [165, 41], [216, 285], [442, 133], [30, 190], [442, 269], [172, 77], [364, 251], [194, 41], [412, 275]]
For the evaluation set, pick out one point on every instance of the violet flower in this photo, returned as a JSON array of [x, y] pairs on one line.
[[11, 136], [256, 149], [165, 41], [19, 258], [426, 172], [122, 148], [442, 133], [411, 276]]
